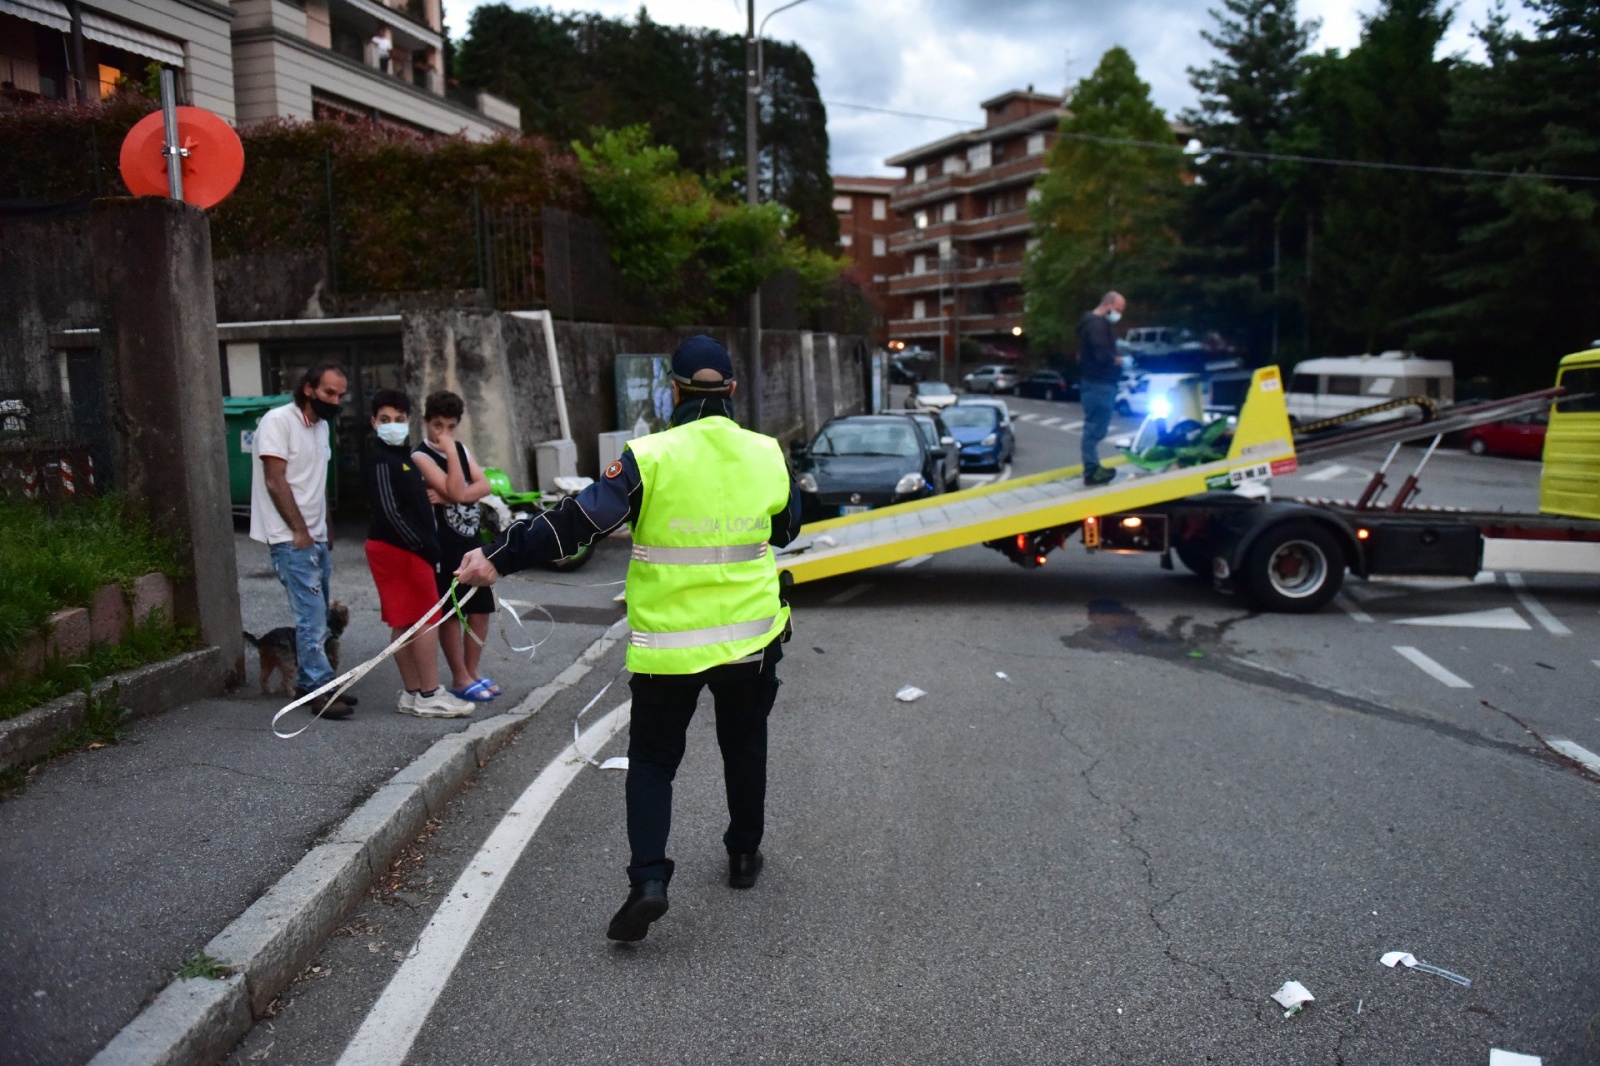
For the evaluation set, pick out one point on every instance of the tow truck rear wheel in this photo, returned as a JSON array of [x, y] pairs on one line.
[[1293, 568]]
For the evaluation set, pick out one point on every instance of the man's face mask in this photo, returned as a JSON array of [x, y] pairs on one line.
[[325, 410], [1113, 317]]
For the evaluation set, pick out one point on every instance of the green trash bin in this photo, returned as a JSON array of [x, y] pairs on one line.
[[240, 414]]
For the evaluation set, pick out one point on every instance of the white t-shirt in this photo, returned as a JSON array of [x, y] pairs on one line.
[[283, 433]]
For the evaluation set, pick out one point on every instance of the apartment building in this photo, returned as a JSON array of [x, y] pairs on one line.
[[963, 226], [372, 60], [865, 226]]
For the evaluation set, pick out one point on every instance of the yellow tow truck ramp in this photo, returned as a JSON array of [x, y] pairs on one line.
[[1262, 446]]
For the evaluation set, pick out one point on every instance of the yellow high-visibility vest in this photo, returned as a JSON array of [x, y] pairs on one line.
[[702, 584]]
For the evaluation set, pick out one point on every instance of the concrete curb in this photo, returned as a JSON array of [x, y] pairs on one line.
[[142, 692], [198, 1021]]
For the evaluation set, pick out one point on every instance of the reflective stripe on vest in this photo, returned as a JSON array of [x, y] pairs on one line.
[[699, 638], [732, 553]]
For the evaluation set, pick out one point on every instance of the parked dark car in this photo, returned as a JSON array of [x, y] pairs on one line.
[[1520, 438], [986, 442], [865, 461], [937, 435], [1047, 385]]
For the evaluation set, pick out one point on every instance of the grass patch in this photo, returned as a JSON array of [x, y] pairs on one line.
[[150, 642], [202, 965], [60, 558]]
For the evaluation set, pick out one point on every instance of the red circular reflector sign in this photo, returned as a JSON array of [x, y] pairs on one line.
[[211, 170]]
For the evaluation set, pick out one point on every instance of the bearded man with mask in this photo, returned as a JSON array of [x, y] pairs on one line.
[[1099, 368], [289, 514]]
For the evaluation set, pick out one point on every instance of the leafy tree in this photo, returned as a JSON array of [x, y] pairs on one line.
[[1388, 101], [686, 245], [1232, 222], [573, 72], [1523, 278], [1102, 212]]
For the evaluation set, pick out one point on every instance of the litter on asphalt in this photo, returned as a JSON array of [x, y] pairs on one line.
[[1410, 961], [909, 694], [1001, 674], [1511, 1058], [1293, 995]]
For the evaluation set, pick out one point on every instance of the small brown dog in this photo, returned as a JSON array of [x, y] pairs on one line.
[[277, 649]]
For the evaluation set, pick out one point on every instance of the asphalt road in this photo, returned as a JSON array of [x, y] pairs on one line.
[[1116, 852]]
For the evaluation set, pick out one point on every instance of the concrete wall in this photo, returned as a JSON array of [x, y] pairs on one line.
[[203, 27], [48, 285]]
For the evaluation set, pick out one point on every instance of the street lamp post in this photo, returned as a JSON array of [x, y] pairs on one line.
[[752, 114]]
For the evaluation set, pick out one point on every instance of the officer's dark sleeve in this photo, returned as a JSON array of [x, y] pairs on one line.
[[578, 522], [786, 523]]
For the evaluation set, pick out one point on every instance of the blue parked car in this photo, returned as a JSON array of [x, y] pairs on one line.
[[985, 439]]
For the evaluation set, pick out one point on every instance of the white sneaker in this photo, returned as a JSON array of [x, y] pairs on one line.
[[440, 705], [406, 703]]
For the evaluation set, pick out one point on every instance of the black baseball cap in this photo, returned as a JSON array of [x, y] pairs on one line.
[[697, 353]]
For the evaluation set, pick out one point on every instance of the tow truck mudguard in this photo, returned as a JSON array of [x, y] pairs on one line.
[[1236, 529]]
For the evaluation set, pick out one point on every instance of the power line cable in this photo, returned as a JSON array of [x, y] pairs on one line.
[[1282, 157]]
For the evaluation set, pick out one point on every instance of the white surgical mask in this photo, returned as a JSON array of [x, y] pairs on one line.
[[393, 432], [1113, 317]]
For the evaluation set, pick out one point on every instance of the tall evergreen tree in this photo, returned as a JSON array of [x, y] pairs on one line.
[[1104, 209], [1524, 276], [571, 73], [1233, 227], [1377, 230]]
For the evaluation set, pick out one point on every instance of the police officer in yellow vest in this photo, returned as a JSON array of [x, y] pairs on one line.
[[707, 501]]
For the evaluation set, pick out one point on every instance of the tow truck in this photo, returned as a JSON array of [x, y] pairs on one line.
[[1286, 555]]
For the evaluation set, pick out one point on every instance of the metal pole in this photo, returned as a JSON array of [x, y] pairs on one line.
[[79, 67], [752, 92], [171, 148]]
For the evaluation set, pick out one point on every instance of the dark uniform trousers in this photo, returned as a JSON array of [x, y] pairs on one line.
[[663, 705]]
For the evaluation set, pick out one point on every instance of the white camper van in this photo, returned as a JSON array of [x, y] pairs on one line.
[[1323, 388]]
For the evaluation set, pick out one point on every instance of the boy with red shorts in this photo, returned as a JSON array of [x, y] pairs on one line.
[[403, 554]]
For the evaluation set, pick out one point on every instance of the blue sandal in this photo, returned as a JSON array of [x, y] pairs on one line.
[[477, 692], [494, 689]]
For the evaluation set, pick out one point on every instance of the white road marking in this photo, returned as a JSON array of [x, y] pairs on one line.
[[1351, 609], [1431, 668], [1071, 426], [1050, 421], [1498, 618], [975, 480], [1541, 614], [1578, 753], [1028, 418], [391, 1027], [1328, 473], [1595, 661], [915, 560], [1485, 577], [850, 593], [1005, 473]]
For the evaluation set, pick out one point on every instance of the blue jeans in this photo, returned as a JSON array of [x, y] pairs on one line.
[[1098, 397], [306, 574]]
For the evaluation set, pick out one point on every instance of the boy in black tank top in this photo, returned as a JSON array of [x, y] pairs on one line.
[[455, 485]]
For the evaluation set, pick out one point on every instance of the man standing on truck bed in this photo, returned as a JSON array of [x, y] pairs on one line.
[[1099, 368]]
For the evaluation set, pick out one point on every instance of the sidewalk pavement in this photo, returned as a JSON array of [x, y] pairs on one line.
[[118, 864]]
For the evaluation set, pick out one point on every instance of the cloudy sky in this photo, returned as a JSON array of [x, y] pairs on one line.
[[942, 57]]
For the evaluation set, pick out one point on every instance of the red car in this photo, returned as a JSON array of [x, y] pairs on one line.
[[1520, 438]]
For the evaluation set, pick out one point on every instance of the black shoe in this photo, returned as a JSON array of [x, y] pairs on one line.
[[744, 869], [1100, 475], [346, 699], [645, 903]]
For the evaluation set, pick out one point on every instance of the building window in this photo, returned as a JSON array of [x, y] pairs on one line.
[[880, 208], [842, 204], [947, 213], [947, 248], [954, 165], [920, 174], [879, 279], [1035, 144], [919, 264], [880, 246], [1034, 196], [979, 156], [919, 309], [921, 219], [846, 240]]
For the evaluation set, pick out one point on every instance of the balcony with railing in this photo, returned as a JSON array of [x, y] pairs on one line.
[[1009, 172], [966, 229]]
